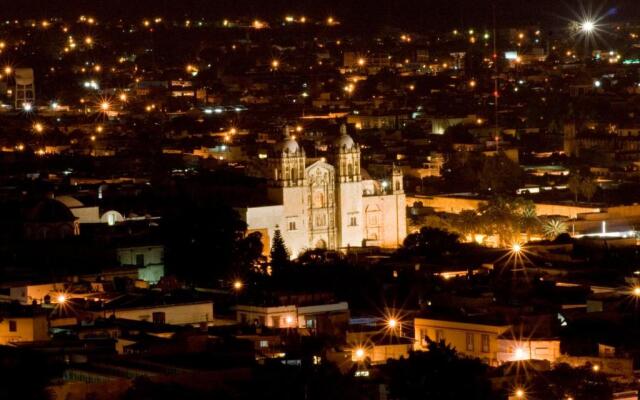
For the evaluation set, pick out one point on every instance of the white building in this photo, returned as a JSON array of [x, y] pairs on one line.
[[317, 204], [290, 316]]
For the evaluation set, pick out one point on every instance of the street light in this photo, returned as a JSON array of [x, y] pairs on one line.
[[519, 354], [237, 285], [61, 298], [516, 248], [636, 291], [392, 323], [519, 393], [587, 26], [359, 353]]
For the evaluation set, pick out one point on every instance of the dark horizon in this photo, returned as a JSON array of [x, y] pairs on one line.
[[414, 14]]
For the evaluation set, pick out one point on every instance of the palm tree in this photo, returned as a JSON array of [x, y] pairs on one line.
[[553, 228], [467, 223], [529, 221]]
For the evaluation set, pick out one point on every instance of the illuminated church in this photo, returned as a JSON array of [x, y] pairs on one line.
[[329, 204]]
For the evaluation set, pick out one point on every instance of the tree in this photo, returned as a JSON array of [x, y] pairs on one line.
[[461, 173], [497, 174], [582, 184], [500, 175], [467, 223], [431, 242], [439, 373], [564, 381], [458, 134], [279, 253], [202, 241], [574, 185], [508, 217], [249, 254], [588, 188], [552, 228], [529, 222]]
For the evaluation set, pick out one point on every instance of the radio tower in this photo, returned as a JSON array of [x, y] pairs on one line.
[[495, 80]]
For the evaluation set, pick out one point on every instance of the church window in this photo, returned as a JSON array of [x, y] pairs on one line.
[[349, 169], [292, 225], [397, 185], [321, 220], [13, 326], [353, 221], [294, 176]]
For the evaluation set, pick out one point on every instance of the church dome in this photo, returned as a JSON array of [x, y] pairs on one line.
[[289, 146], [50, 210], [70, 202], [344, 142]]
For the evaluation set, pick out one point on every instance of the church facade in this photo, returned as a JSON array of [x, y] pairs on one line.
[[330, 204]]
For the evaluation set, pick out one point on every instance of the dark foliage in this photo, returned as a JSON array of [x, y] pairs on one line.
[[430, 242], [439, 373]]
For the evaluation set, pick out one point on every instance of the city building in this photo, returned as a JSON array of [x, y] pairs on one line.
[[23, 324]]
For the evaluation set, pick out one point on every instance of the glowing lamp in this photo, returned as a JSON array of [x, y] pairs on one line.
[[587, 26]]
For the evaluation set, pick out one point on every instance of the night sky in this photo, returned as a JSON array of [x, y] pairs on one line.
[[417, 14]]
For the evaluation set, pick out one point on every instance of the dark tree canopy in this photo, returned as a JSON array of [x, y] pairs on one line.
[[431, 242], [439, 373], [205, 243], [496, 174], [564, 381]]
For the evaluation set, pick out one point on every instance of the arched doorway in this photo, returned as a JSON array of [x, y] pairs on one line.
[[321, 244]]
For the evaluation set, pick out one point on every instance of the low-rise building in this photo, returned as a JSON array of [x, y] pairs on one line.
[[319, 318], [473, 337], [23, 324]]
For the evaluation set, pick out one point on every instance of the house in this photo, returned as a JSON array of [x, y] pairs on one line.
[[23, 324], [473, 337], [318, 318]]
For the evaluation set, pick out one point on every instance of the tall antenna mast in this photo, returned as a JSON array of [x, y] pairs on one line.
[[495, 80]]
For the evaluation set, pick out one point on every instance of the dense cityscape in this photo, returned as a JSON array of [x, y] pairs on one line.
[[200, 202]]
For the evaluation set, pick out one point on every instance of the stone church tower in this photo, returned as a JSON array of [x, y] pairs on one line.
[[287, 186], [348, 190]]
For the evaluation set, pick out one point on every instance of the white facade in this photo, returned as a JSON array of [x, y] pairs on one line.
[[172, 314], [290, 316], [329, 205]]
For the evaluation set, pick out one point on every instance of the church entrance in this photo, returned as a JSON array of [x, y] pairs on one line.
[[321, 244]]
